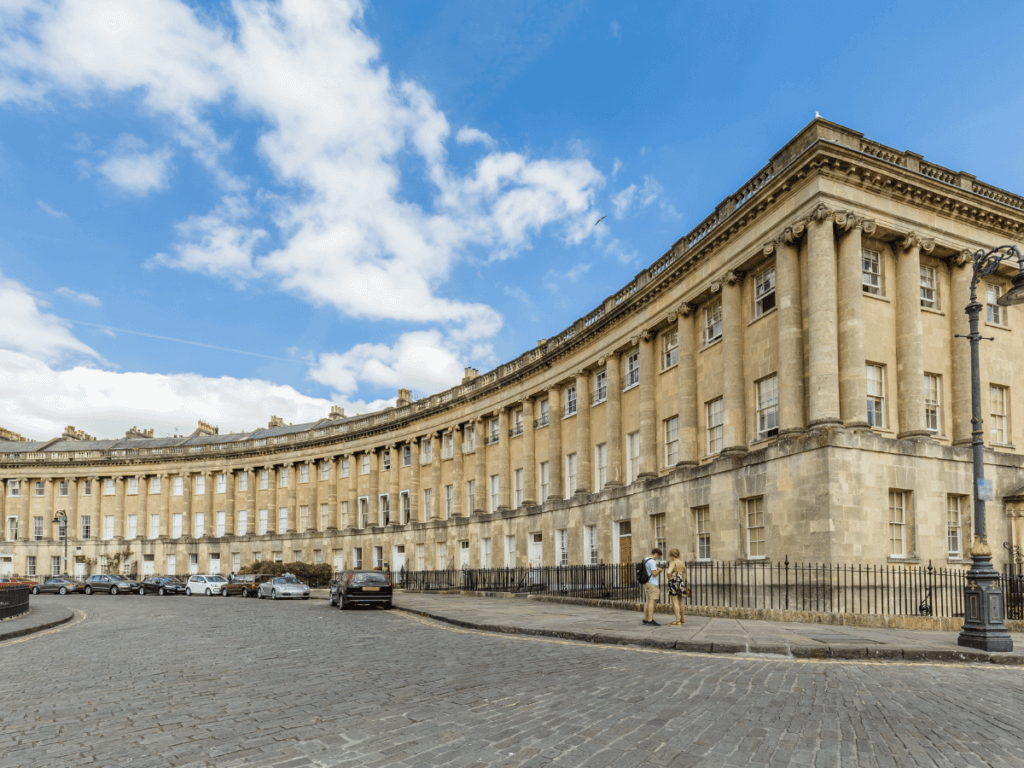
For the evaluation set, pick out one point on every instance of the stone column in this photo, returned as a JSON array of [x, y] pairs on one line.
[[313, 496], [481, 481], [292, 496], [583, 447], [3, 507], [353, 490], [48, 492], [95, 517], [253, 513], [852, 383], [373, 490], [23, 513], [272, 513], [613, 420], [648, 408], [734, 420], [457, 483], [210, 518], [166, 480], [414, 481], [71, 508], [333, 523], [229, 502], [687, 388], [436, 513], [960, 273], [822, 331], [394, 505], [142, 510], [529, 457], [119, 526], [504, 495], [790, 330], [187, 526], [909, 344], [555, 458]]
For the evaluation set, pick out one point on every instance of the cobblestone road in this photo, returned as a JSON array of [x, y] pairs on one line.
[[230, 682]]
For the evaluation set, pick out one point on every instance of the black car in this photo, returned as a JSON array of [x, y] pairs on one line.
[[112, 583], [361, 588], [57, 585], [162, 585]]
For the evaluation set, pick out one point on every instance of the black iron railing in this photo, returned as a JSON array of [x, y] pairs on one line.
[[894, 590], [13, 600]]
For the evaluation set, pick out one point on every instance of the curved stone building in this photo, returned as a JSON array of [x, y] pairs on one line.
[[784, 381]]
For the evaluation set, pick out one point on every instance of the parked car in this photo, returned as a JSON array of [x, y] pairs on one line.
[[286, 586], [111, 583], [57, 585], [207, 585], [250, 583], [128, 585], [162, 585], [9, 581], [361, 588]]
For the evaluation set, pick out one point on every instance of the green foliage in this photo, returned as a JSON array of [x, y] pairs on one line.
[[114, 561], [305, 572]]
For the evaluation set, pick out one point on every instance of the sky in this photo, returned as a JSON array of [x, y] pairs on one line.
[[232, 210]]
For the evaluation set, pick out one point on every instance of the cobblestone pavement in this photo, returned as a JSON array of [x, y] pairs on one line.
[[179, 681]]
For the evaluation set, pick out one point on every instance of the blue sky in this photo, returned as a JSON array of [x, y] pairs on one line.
[[227, 211]]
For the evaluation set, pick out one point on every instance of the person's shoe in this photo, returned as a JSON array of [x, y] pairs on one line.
[[653, 623]]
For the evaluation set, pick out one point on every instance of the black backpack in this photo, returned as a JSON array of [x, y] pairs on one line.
[[642, 576]]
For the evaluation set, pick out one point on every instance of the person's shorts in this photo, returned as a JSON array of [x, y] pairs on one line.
[[650, 592]]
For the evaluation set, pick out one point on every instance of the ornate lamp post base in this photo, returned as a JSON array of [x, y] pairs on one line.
[[984, 606]]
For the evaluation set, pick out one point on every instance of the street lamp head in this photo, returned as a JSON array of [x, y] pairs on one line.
[[1016, 294]]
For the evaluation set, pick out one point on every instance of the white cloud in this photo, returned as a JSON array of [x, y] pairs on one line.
[[623, 200], [644, 195], [26, 329], [616, 167], [52, 211], [616, 29], [467, 135], [134, 170], [84, 298]]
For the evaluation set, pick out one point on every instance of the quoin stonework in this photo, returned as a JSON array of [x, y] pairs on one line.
[[784, 381]]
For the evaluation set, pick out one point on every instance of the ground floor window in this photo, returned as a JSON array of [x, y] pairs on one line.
[[755, 527]]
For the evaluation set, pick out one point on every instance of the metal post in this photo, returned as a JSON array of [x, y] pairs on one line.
[[62, 517]]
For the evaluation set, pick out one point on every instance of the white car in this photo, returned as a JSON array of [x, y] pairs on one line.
[[206, 585]]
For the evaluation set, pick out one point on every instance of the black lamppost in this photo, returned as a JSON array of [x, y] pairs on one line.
[[984, 605], [61, 518]]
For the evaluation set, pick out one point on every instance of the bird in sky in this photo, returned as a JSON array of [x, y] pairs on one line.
[[600, 220]]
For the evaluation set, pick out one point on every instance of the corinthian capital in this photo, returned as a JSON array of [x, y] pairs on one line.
[[821, 213], [734, 276], [848, 220], [914, 240], [961, 259]]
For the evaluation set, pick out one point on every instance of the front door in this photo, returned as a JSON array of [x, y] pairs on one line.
[[6, 566], [214, 564], [79, 569], [193, 564], [147, 566], [625, 553], [536, 552], [463, 554]]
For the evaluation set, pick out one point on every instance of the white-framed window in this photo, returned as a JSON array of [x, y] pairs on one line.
[[12, 528], [702, 532], [200, 484], [590, 544], [55, 565], [257, 556], [715, 435], [442, 554], [357, 558], [31, 565], [510, 551], [543, 477], [570, 401], [303, 473], [132, 524], [632, 456], [755, 527], [41, 487], [517, 423], [871, 272], [995, 314], [236, 561], [343, 513], [495, 485], [282, 477], [933, 403], [172, 564], [562, 537], [470, 496], [713, 321], [154, 526], [998, 398], [154, 485], [764, 292], [954, 526], [669, 348], [241, 522], [421, 557], [345, 464], [659, 526], [632, 370], [493, 432], [62, 488], [14, 488], [108, 488], [263, 525], [61, 530], [86, 488], [325, 470], [364, 511], [325, 516], [428, 503], [37, 528], [544, 413], [469, 438], [600, 387], [406, 455], [600, 466], [176, 526], [282, 520], [133, 486], [875, 376], [448, 443], [929, 288], [570, 475], [383, 509], [405, 507], [385, 460], [222, 520], [427, 449], [897, 524], [378, 557], [199, 525], [243, 481], [86, 526], [671, 430], [303, 517], [767, 393], [222, 483], [517, 477], [264, 479], [449, 501], [364, 464], [485, 553], [108, 527]]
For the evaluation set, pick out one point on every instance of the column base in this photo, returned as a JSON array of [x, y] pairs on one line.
[[857, 425], [825, 423], [582, 492], [647, 476], [734, 450], [791, 431], [919, 434], [614, 484], [687, 463]]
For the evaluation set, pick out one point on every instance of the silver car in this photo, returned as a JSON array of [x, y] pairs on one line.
[[283, 587]]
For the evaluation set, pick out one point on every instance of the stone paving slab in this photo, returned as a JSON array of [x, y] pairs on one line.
[[40, 616], [699, 633]]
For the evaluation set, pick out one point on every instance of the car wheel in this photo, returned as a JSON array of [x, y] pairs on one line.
[[142, 591], [35, 590], [161, 592], [224, 592], [259, 594], [188, 591], [88, 590], [208, 592], [387, 606], [114, 591], [342, 605], [63, 590], [245, 592], [330, 601]]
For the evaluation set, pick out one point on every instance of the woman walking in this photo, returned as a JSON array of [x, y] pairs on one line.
[[676, 573]]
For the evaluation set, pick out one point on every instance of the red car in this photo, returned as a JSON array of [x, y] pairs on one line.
[[9, 581]]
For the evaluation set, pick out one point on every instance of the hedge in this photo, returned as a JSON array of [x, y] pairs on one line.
[[305, 572]]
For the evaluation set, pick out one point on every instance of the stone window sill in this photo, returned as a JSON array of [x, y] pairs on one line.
[[762, 316], [1001, 327], [878, 298], [669, 368], [933, 311], [1003, 446], [711, 344]]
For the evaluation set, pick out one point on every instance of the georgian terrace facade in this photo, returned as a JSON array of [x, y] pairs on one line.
[[784, 381]]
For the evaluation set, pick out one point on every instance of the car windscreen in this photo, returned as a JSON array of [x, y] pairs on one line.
[[369, 578], [286, 580]]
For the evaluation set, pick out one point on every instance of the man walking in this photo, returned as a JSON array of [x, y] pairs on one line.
[[651, 587]]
